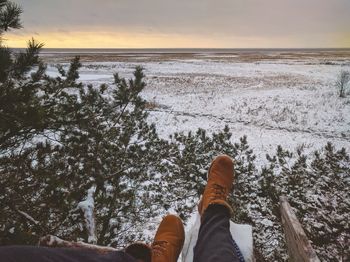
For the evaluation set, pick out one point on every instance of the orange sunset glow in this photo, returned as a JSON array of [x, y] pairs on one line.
[[138, 40]]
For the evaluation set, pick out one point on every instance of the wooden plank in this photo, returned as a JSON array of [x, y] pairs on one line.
[[140, 251], [299, 247], [53, 241]]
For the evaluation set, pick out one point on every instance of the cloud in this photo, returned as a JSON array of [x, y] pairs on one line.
[[63, 31], [220, 19]]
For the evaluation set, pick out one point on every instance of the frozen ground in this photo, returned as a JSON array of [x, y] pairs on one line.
[[286, 99], [274, 98]]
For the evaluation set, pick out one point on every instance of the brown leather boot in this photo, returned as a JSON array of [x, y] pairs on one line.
[[220, 183], [169, 240]]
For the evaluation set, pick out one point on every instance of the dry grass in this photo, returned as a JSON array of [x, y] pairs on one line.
[[245, 56]]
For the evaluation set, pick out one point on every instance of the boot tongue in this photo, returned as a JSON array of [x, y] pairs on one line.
[[140, 251]]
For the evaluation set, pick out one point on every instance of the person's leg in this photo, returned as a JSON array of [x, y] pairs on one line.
[[44, 254], [140, 251], [215, 242], [166, 247]]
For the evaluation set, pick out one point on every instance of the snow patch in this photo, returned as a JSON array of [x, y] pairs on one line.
[[88, 206]]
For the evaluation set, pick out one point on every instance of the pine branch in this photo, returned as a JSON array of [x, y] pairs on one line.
[[27, 216], [25, 61], [5, 63], [10, 16], [73, 73], [3, 3]]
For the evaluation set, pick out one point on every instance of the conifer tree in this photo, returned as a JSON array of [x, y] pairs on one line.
[[21, 113], [317, 187], [94, 140], [62, 142]]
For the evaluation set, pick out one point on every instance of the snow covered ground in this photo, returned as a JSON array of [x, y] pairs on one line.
[[274, 98]]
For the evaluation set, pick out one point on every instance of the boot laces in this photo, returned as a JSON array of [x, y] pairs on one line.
[[218, 192], [159, 247]]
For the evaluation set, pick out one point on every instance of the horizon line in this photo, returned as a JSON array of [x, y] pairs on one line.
[[188, 48]]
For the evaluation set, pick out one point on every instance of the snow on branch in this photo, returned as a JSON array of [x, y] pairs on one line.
[[88, 206], [27, 216]]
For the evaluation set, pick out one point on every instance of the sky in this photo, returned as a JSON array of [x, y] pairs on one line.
[[184, 23]]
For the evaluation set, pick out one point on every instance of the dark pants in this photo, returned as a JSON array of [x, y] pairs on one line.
[[44, 254], [215, 242]]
